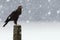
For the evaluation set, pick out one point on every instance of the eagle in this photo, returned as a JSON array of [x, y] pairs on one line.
[[14, 16]]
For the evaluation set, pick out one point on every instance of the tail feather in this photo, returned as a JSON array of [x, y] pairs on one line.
[[5, 24], [7, 20]]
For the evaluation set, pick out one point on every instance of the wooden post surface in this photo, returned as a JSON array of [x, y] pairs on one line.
[[17, 32]]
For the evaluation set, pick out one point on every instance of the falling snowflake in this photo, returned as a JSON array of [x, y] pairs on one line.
[[49, 13], [58, 11], [1, 6], [20, 1], [49, 0], [40, 5], [27, 21], [2, 11], [7, 0], [28, 0], [29, 11]]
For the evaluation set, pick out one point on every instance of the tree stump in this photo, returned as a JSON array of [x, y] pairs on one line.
[[17, 32]]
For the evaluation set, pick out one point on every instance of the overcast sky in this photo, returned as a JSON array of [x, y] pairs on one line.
[[33, 10]]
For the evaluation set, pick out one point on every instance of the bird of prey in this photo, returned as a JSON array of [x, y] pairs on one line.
[[14, 15]]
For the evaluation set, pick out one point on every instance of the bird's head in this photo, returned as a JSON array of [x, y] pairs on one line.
[[20, 7]]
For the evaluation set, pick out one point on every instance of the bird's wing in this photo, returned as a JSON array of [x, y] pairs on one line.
[[9, 17], [12, 13]]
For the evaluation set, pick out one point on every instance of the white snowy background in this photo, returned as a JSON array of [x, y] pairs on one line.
[[40, 19]]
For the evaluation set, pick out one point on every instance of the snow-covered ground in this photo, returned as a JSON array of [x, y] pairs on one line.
[[32, 31]]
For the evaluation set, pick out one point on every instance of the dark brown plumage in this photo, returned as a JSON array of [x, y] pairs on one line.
[[14, 16]]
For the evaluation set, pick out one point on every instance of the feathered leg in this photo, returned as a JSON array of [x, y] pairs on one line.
[[15, 22]]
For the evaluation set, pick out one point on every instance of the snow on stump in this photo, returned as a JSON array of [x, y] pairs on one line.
[[17, 32]]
